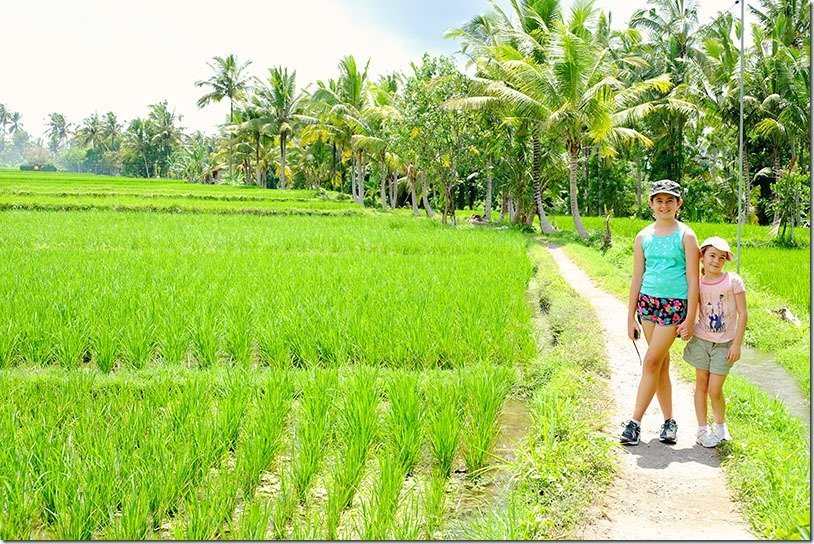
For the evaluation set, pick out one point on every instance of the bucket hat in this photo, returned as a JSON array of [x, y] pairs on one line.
[[667, 186]]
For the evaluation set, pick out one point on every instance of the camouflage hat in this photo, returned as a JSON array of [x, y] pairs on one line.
[[667, 186]]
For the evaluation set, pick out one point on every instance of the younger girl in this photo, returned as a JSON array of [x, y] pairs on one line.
[[717, 339], [665, 276]]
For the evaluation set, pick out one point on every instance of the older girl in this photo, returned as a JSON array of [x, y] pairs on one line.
[[665, 277]]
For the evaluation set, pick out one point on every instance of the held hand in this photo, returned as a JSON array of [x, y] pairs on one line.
[[683, 331], [633, 331], [734, 354]]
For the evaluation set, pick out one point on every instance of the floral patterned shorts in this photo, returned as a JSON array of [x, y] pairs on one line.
[[662, 311]]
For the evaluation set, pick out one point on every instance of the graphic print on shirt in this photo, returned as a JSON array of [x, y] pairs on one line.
[[714, 309]]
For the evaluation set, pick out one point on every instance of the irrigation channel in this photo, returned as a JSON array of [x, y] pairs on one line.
[[761, 369]]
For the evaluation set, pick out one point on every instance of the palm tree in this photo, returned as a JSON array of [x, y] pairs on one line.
[[58, 129], [575, 94], [111, 131], [90, 131], [227, 81], [279, 95], [138, 138]]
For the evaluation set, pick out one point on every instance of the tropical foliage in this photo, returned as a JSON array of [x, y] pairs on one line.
[[554, 112]]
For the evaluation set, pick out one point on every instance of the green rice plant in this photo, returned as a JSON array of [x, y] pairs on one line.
[[174, 342], [283, 509], [8, 344], [444, 421], [379, 511], [271, 346], [356, 429], [404, 418], [486, 388], [308, 527], [137, 342], [318, 391], [253, 521], [408, 523], [134, 522], [434, 504], [206, 338], [238, 341], [262, 436], [71, 344], [104, 346]]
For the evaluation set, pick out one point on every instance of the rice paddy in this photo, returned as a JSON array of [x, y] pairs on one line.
[[245, 375]]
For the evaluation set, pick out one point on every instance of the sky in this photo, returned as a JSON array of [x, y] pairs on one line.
[[78, 57]]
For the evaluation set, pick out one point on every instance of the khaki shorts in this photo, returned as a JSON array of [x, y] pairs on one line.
[[709, 356]]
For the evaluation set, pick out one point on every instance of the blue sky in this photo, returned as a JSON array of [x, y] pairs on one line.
[[80, 56]]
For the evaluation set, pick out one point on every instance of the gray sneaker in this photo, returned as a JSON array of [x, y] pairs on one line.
[[669, 431], [630, 436]]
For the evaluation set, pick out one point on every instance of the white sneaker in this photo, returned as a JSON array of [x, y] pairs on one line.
[[707, 439], [722, 432]]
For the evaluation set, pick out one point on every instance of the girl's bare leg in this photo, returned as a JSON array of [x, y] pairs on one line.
[[716, 395], [664, 390], [701, 389], [659, 340]]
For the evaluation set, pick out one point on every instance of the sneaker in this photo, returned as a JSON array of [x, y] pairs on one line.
[[668, 432], [630, 436], [722, 432], [707, 439]]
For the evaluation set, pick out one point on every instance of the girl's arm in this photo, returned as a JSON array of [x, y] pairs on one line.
[[635, 286], [693, 262], [734, 352]]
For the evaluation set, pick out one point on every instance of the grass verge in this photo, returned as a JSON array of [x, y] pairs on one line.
[[565, 463]]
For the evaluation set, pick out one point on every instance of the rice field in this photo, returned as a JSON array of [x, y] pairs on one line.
[[233, 374], [112, 290], [356, 452]]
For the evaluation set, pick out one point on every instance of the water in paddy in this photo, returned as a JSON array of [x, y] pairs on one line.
[[489, 490], [761, 369]]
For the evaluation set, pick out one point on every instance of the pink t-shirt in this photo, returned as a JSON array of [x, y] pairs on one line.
[[718, 314]]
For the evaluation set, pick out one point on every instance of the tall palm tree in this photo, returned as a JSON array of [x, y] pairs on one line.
[[138, 138], [111, 131], [227, 81], [90, 131], [284, 103], [58, 129]]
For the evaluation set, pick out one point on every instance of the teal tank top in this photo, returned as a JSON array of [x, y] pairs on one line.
[[665, 264]]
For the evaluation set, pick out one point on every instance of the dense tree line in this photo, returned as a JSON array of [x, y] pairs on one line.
[[554, 112]]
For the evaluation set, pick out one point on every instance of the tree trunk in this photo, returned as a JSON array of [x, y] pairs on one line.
[[360, 185], [425, 197], [504, 204], [545, 225], [638, 182], [353, 177], [282, 160], [487, 201], [413, 196], [382, 182], [777, 173], [394, 190], [747, 186], [257, 160], [574, 154], [231, 121]]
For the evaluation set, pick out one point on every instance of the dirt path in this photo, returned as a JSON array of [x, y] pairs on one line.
[[661, 492]]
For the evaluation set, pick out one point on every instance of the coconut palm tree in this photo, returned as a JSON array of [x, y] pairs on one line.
[[90, 131], [58, 129], [227, 81], [284, 103]]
